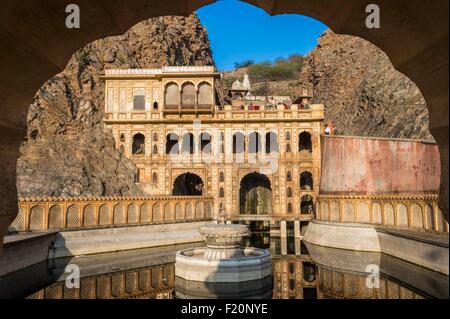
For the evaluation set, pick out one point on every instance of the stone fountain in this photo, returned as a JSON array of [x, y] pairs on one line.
[[223, 269]]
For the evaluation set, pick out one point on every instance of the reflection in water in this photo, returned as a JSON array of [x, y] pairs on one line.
[[295, 276]]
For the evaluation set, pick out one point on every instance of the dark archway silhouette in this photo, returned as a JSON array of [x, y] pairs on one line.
[[138, 144], [305, 142], [255, 195], [188, 184]]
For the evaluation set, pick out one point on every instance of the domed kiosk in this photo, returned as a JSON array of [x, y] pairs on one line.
[[223, 269]]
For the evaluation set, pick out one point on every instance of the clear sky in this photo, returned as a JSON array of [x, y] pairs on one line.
[[239, 31]]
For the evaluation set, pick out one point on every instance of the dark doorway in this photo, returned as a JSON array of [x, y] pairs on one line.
[[188, 185], [255, 196]]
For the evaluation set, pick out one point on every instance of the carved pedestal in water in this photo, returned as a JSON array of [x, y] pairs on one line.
[[223, 269]]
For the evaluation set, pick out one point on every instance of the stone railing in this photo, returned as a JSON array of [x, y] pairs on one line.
[[37, 214], [411, 211]]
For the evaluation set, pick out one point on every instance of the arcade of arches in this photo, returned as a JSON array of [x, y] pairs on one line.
[[419, 50]]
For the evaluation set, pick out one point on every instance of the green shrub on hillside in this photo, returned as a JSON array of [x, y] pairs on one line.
[[281, 69]]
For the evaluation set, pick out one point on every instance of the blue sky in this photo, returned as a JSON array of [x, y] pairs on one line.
[[239, 31]]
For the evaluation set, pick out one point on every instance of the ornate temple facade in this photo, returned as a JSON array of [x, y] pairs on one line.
[[257, 163]]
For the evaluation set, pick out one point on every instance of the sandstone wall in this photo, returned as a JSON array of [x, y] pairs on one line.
[[357, 165]]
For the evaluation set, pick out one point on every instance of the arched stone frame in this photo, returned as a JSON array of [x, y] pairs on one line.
[[145, 212], [409, 49], [55, 217], [168, 212], [348, 212], [73, 216], [255, 142], [417, 216], [239, 145], [119, 214], [140, 103], [187, 143], [325, 212], [271, 137], [305, 141], [205, 98], [189, 211], [377, 213], [206, 141], [389, 214], [199, 210], [157, 213], [208, 209], [172, 95], [363, 212], [173, 144], [188, 95], [335, 215], [243, 173], [402, 214], [90, 216], [133, 214], [138, 143], [430, 217], [179, 211], [199, 172], [105, 216]]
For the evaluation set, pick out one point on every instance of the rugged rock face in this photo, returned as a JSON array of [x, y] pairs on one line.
[[66, 152], [362, 92]]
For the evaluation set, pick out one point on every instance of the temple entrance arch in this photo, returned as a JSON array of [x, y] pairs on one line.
[[255, 195], [188, 184]]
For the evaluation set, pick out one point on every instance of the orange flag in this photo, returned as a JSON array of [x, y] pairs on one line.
[[330, 125]]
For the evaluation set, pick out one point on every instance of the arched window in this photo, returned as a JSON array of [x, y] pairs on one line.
[[138, 144], [155, 149], [188, 95], [238, 143], [155, 137], [155, 179], [205, 141], [172, 95], [305, 143], [222, 177], [155, 106], [289, 176], [221, 193], [306, 205], [172, 145], [205, 95], [306, 181], [271, 142], [289, 208], [122, 137], [254, 141], [139, 99], [288, 148], [187, 145], [288, 135], [289, 192]]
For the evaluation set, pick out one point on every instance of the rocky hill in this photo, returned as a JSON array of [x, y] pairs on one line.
[[66, 152], [362, 92]]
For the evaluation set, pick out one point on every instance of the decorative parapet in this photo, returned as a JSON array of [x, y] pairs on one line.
[[58, 213], [164, 70], [403, 211]]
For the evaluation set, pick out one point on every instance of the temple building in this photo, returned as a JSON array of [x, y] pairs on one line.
[[258, 164]]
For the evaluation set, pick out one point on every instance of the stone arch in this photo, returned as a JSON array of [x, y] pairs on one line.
[[221, 192], [402, 215], [172, 144], [119, 214], [288, 176], [416, 216], [272, 142], [199, 210], [155, 179], [104, 217], [377, 213], [19, 222], [348, 213], [254, 143], [156, 213], [55, 217], [406, 44], [363, 213], [430, 217], [179, 215], [305, 142], [138, 144], [172, 95], [306, 181], [168, 212], [221, 177], [208, 210], [255, 194], [325, 211], [73, 218], [89, 216], [205, 142], [187, 143], [146, 214], [389, 214], [334, 212], [238, 143], [289, 208], [289, 192], [188, 93], [188, 184], [205, 95], [139, 99], [132, 214], [36, 218], [190, 214]]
